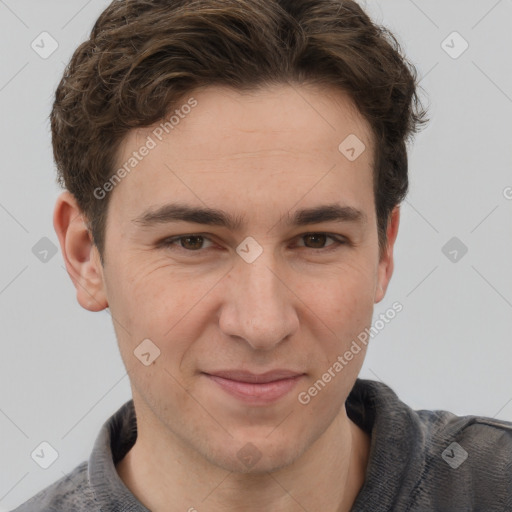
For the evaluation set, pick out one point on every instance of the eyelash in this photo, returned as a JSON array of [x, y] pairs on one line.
[[169, 242]]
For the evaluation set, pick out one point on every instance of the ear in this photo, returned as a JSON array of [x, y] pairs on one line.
[[80, 254], [386, 263]]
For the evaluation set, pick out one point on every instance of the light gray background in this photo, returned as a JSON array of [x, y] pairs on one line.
[[450, 348]]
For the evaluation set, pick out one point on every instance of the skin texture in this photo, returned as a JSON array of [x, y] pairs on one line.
[[298, 306]]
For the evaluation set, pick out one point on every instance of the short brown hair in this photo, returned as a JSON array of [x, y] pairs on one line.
[[144, 56]]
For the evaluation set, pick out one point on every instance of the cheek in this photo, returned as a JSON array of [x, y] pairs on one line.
[[342, 307], [142, 291], [161, 303], [325, 393], [342, 296]]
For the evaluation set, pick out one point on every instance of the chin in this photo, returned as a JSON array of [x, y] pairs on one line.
[[255, 456]]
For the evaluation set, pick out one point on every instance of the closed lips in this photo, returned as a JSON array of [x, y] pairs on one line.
[[252, 378]]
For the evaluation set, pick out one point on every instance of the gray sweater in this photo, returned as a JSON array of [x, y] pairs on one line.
[[419, 461]]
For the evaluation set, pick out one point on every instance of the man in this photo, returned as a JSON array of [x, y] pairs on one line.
[[233, 173]]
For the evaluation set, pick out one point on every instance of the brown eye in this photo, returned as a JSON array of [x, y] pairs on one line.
[[193, 242], [186, 243], [317, 240]]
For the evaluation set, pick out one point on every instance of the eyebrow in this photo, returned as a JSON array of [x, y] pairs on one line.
[[175, 212]]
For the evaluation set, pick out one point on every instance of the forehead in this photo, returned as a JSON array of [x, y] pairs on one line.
[[281, 142]]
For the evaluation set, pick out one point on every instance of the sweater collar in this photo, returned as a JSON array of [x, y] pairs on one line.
[[397, 450]]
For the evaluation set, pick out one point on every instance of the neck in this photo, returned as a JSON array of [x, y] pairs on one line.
[[328, 476]]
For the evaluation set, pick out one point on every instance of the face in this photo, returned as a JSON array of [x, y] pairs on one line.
[[286, 286]]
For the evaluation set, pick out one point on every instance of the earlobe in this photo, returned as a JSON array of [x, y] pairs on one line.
[[386, 263], [80, 254]]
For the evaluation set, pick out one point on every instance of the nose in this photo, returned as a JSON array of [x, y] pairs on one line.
[[260, 307]]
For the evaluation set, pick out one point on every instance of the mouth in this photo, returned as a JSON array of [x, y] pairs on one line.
[[255, 388]]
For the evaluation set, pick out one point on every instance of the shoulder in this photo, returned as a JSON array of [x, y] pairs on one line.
[[485, 440], [71, 492], [468, 459], [430, 459]]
